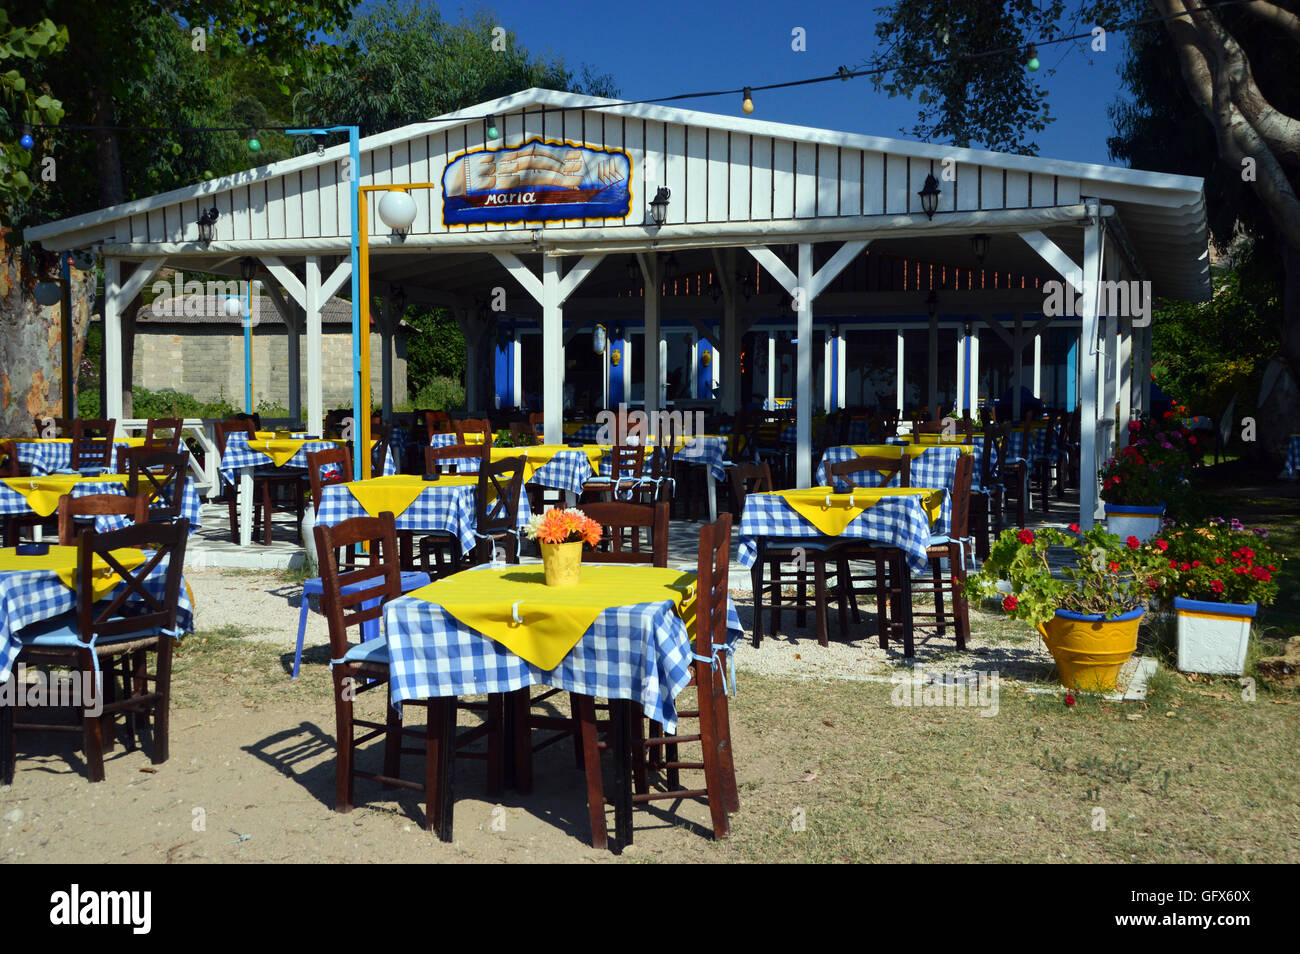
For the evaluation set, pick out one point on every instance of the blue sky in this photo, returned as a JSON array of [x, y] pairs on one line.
[[676, 47]]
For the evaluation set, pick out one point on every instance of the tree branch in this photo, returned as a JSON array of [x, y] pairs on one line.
[[1284, 20]]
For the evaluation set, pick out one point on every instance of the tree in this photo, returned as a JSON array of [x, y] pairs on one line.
[[23, 103], [1235, 64]]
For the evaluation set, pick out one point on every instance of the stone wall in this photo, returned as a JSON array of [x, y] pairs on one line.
[[207, 361]]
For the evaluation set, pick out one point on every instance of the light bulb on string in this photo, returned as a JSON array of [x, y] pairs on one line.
[[27, 142], [254, 145], [492, 130], [747, 101], [1031, 61]]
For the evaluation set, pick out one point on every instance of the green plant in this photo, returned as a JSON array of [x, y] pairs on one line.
[[1154, 467], [1220, 562], [439, 394], [1109, 576]]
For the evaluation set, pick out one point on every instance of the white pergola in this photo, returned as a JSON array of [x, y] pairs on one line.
[[804, 203]]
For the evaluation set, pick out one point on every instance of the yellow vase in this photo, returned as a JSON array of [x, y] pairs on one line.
[[1089, 650], [562, 563]]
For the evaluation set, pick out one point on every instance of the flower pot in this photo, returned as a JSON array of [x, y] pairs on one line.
[[562, 563], [1142, 522], [1212, 637], [1089, 649]]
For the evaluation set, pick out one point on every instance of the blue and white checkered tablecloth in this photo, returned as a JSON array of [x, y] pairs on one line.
[[51, 457], [566, 470], [12, 502], [640, 652], [28, 597], [440, 508], [977, 443], [586, 433], [464, 465], [239, 454], [935, 467], [1292, 469], [893, 521]]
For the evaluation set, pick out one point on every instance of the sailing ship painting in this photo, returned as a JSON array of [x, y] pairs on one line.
[[536, 181]]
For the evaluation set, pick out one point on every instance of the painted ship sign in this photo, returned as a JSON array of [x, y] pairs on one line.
[[536, 182]]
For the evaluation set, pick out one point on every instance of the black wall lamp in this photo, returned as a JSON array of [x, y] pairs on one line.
[[659, 206], [207, 223], [929, 196]]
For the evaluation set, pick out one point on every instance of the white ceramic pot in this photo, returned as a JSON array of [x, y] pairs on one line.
[[1141, 522], [1212, 637], [309, 534]]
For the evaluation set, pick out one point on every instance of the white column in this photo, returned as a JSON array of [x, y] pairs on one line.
[[1110, 397], [552, 352], [961, 370], [803, 369], [898, 372], [653, 367], [771, 370], [626, 368], [293, 326], [1124, 385], [315, 385], [1038, 365], [828, 369], [113, 306], [516, 373], [1088, 496], [974, 383], [841, 369]]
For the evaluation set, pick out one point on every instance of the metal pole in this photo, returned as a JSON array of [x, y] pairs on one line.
[[65, 330]]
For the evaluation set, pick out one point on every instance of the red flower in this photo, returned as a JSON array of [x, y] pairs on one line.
[[1112, 566], [1191, 440], [1026, 537], [1216, 585], [1173, 564], [1218, 559], [1133, 543], [1069, 699], [1153, 583], [1074, 528], [1162, 546], [1185, 567], [1262, 574], [1196, 563], [1009, 603]]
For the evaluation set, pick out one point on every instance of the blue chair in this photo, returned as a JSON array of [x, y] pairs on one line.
[[411, 580]]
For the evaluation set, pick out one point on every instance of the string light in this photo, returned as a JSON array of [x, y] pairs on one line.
[[492, 130], [1031, 61], [747, 102]]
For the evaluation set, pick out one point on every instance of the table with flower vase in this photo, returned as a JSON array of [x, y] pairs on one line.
[[624, 634], [40, 496], [243, 457]]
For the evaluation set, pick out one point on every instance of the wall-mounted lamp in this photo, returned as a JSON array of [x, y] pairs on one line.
[[929, 196], [207, 225], [979, 246], [659, 206]]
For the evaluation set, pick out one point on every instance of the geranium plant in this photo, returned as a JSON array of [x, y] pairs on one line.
[[1153, 466], [1219, 562], [563, 526], [1108, 577]]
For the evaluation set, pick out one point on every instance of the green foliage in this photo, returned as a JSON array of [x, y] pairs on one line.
[[1154, 467], [1205, 353], [1219, 562], [414, 64], [437, 351], [169, 403], [1108, 577], [439, 394], [22, 102]]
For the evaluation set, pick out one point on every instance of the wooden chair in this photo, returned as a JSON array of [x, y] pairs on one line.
[[708, 677], [379, 452], [92, 445], [891, 471], [626, 468], [266, 481], [135, 507], [780, 562], [163, 434], [435, 422], [985, 510], [524, 434], [496, 505], [351, 598], [160, 476], [333, 465], [472, 425], [952, 547], [440, 553], [62, 426], [537, 422], [1012, 476], [127, 627], [623, 525]]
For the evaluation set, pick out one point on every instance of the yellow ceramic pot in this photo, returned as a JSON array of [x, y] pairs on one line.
[[562, 563], [1090, 650]]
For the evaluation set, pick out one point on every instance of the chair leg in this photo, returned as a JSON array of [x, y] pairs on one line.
[[162, 708], [495, 716], [711, 746], [268, 503], [756, 583], [93, 733], [722, 717], [440, 755], [392, 738], [960, 606], [302, 633], [519, 701], [819, 595], [343, 689], [936, 574]]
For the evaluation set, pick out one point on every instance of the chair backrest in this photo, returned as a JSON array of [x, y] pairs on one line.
[[537, 421], [379, 452], [160, 477], [223, 429], [160, 541], [97, 505], [473, 425], [497, 496], [447, 459], [334, 421], [8, 459], [961, 497], [336, 462], [888, 469], [625, 461], [380, 579], [749, 479], [255, 419], [163, 434], [713, 566], [992, 433], [622, 538], [92, 442], [435, 422]]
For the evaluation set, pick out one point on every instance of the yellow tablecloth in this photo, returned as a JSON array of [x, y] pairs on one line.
[[539, 455], [832, 512], [43, 493], [398, 491], [912, 450], [553, 618], [280, 449], [63, 561]]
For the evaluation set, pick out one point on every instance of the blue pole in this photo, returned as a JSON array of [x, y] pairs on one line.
[[1071, 374]]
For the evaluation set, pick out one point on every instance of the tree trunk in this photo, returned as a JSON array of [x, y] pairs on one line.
[[31, 341], [1279, 399], [108, 160]]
